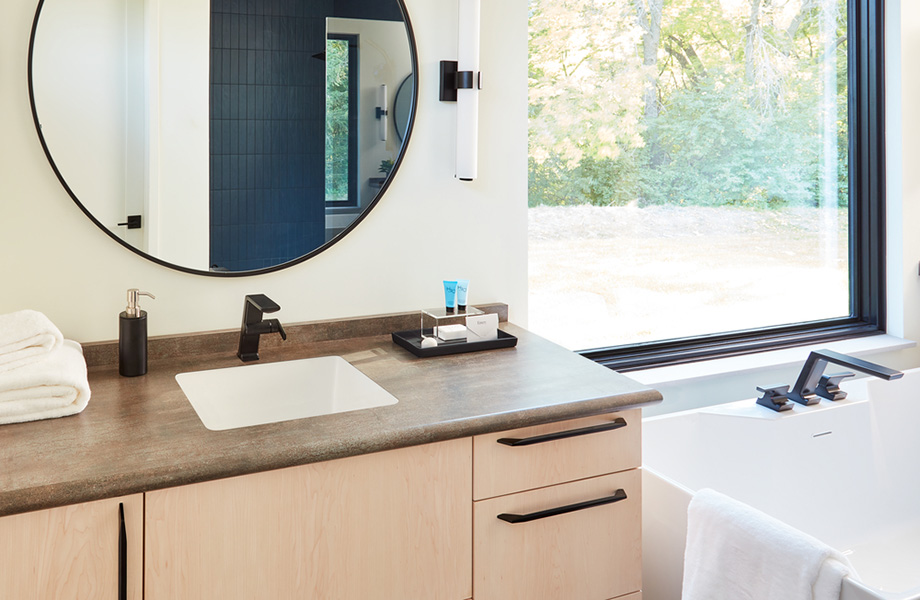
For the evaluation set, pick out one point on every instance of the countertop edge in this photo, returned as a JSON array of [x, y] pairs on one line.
[[89, 490]]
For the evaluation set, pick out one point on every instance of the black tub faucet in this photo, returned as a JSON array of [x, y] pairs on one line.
[[813, 383], [253, 326]]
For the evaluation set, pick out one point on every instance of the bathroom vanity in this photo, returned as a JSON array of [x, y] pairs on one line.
[[504, 474]]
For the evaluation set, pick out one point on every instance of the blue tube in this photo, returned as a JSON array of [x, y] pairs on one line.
[[450, 295], [462, 286]]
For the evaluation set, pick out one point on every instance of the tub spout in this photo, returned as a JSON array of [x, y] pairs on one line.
[[811, 384]]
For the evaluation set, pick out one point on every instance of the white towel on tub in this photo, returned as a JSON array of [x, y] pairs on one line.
[[735, 552], [54, 386], [26, 336]]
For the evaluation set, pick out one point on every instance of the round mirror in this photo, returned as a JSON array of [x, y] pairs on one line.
[[230, 138]]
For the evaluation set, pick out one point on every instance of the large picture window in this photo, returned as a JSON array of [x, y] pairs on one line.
[[705, 176]]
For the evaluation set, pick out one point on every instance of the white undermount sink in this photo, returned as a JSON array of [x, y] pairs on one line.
[[282, 391]]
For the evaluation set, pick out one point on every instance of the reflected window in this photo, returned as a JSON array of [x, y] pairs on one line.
[[341, 120]]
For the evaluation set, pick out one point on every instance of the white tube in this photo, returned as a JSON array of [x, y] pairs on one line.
[[468, 99], [382, 104]]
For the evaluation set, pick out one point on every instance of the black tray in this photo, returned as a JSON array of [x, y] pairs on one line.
[[411, 341]]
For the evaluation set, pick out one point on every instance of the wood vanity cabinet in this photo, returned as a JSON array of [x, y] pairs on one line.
[[557, 511], [466, 518], [74, 552], [389, 525]]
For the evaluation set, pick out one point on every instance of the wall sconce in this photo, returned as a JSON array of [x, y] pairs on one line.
[[460, 83], [382, 111]]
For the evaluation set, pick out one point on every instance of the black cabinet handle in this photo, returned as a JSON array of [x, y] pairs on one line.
[[122, 554], [561, 435], [552, 512]]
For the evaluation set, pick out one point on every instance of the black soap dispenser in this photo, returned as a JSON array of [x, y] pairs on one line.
[[132, 337]]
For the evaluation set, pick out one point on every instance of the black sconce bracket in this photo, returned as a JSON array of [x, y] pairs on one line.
[[453, 80], [382, 112]]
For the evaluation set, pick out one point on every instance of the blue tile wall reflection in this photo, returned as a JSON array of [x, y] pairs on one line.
[[267, 130]]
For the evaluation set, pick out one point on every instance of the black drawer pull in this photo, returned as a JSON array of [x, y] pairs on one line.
[[552, 512], [561, 435], [122, 554]]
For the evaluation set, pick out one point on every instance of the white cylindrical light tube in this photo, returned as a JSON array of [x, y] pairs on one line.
[[468, 99], [382, 105]]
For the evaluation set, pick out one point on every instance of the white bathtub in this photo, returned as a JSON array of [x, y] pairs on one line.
[[846, 472]]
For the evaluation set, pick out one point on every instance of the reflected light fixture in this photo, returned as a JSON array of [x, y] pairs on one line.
[[460, 83], [382, 111]]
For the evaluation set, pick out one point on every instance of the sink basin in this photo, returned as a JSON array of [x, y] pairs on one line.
[[273, 392]]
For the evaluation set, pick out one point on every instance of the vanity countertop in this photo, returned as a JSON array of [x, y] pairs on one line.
[[140, 434]]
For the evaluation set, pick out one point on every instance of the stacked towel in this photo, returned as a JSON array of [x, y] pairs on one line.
[[42, 376], [26, 336], [737, 552]]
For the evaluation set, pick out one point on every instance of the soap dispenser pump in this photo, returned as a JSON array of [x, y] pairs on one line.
[[132, 336]]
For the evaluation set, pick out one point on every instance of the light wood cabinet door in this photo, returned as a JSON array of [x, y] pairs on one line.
[[382, 526], [73, 552], [588, 553]]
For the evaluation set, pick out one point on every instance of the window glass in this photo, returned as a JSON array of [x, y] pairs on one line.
[[338, 94], [688, 168]]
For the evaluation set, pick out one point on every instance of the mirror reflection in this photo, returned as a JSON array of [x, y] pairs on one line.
[[402, 105], [223, 137]]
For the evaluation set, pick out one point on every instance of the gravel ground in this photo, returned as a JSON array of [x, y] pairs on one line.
[[602, 276]]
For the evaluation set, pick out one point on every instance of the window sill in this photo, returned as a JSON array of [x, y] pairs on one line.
[[786, 357]]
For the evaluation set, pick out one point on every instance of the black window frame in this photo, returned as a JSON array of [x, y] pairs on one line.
[[866, 115]]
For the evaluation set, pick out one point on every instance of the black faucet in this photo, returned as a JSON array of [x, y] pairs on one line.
[[813, 383], [253, 326]]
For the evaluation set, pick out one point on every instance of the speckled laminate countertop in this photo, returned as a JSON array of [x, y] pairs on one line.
[[140, 434]]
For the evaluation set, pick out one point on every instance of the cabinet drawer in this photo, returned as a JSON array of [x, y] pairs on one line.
[[590, 553], [503, 469]]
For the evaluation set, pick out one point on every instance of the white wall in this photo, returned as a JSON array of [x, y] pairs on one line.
[[179, 161], [903, 133], [55, 260]]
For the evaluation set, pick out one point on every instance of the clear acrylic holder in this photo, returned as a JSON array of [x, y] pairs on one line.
[[432, 318]]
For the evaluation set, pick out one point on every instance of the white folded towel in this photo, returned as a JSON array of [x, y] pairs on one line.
[[735, 552], [26, 336], [54, 386]]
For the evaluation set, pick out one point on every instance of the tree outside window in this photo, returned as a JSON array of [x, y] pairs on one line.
[[687, 167]]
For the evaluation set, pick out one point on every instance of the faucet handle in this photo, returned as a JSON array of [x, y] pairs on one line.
[[276, 327], [263, 303], [263, 327], [829, 386], [774, 397]]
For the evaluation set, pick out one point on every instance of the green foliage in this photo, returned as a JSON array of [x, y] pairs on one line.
[[719, 152], [337, 84], [601, 182], [732, 113]]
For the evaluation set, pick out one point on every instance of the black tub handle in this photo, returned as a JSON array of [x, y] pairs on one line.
[[122, 554], [552, 512], [561, 435]]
